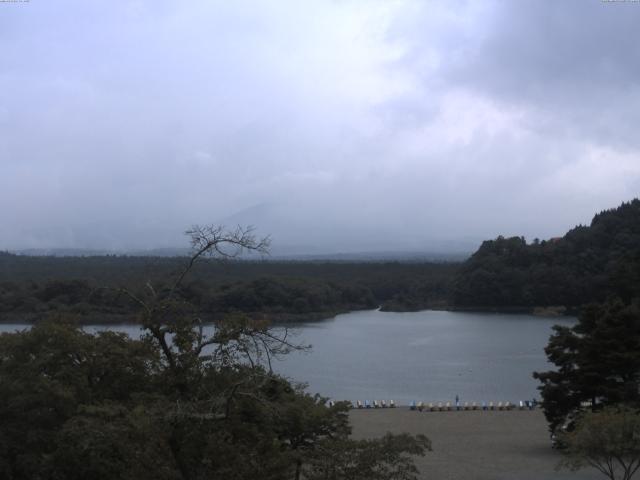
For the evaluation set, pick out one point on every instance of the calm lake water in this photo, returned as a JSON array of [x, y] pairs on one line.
[[429, 355]]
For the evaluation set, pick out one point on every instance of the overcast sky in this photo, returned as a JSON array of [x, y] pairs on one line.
[[336, 125]]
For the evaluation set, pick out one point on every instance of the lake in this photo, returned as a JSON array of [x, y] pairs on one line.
[[429, 355]]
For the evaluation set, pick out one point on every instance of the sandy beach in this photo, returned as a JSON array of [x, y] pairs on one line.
[[479, 445]]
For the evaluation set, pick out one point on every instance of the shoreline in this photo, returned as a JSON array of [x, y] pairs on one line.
[[283, 319]]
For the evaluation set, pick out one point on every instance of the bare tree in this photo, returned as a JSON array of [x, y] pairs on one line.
[[176, 325], [215, 240]]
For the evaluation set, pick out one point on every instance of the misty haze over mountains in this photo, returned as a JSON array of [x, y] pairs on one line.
[[296, 236], [353, 126]]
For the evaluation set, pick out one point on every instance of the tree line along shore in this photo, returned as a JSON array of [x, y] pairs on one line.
[[180, 404], [557, 276]]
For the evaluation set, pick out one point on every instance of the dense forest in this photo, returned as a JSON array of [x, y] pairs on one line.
[[589, 264], [176, 404], [33, 287]]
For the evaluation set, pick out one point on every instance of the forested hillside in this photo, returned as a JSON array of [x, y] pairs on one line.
[[34, 287], [588, 264]]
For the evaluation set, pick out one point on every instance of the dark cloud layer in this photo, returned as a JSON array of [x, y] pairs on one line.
[[333, 125]]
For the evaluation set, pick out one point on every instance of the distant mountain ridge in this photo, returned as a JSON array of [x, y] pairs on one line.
[[589, 263], [90, 252], [280, 254], [295, 236]]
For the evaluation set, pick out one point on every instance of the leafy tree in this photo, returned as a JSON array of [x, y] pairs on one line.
[[388, 458], [608, 440], [177, 404], [47, 377], [588, 264], [597, 360]]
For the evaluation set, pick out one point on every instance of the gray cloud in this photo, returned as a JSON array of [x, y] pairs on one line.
[[350, 125]]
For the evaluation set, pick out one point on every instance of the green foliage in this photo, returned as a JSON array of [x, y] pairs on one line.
[[597, 360], [48, 375], [388, 458], [76, 406], [177, 404], [108, 441], [608, 440], [588, 264], [31, 287], [278, 295]]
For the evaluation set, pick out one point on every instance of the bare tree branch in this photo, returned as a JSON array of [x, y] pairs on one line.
[[210, 240]]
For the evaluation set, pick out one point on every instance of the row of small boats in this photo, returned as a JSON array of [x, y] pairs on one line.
[[375, 404], [447, 406]]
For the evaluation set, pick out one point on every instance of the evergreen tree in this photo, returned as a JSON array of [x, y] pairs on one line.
[[597, 360], [589, 264]]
